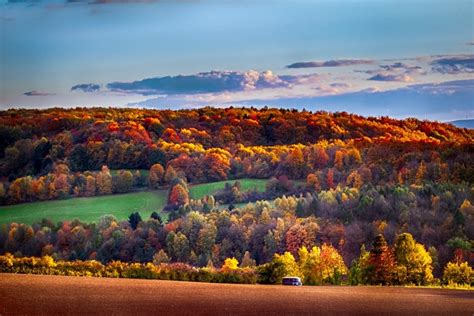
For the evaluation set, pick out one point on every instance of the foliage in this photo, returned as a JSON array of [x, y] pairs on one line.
[[118, 269], [380, 266], [458, 273], [230, 264], [321, 265], [413, 261], [216, 144]]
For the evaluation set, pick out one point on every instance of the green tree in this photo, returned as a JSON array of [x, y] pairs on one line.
[[413, 261], [134, 219], [123, 181], [178, 246]]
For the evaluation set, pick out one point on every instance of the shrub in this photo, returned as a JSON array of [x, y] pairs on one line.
[[456, 273]]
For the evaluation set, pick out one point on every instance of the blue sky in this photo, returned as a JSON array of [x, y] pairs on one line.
[[370, 57]]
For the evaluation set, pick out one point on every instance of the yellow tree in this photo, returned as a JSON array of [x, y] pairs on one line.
[[230, 264], [288, 262], [321, 265], [413, 261]]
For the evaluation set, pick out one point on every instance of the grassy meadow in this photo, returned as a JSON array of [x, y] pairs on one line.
[[90, 209]]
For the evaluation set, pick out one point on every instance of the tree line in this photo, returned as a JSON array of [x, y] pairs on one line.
[[406, 263], [440, 216]]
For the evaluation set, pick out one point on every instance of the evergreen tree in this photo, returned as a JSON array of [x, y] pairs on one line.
[[134, 219]]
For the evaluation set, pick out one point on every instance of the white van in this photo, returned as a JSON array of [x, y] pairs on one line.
[[290, 280]]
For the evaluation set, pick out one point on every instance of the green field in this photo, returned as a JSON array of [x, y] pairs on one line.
[[200, 190], [90, 209]]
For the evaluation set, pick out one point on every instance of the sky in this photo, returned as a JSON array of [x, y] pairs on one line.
[[404, 58]]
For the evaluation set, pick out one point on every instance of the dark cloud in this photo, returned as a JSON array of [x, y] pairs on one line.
[[339, 85], [454, 64], [86, 87], [369, 72], [391, 77], [209, 82], [470, 43], [331, 63], [397, 71], [399, 66], [35, 93]]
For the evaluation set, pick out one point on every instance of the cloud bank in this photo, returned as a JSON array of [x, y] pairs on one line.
[[391, 77], [441, 101], [454, 64], [331, 63], [210, 82]]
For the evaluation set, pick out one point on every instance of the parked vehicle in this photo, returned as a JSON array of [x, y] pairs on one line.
[[289, 280]]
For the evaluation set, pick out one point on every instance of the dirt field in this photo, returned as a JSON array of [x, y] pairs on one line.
[[36, 294]]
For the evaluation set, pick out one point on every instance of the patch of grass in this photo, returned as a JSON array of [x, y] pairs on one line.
[[201, 190], [87, 209]]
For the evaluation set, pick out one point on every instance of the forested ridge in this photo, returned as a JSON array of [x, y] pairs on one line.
[[362, 178], [48, 154]]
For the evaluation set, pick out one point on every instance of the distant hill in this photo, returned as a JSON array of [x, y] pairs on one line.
[[463, 123]]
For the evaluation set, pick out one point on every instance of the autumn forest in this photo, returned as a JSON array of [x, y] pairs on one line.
[[348, 199]]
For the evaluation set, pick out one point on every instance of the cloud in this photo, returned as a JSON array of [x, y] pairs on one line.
[[35, 93], [445, 88], [440, 101], [470, 43], [397, 71], [391, 77], [399, 66], [454, 64], [340, 85], [86, 87], [210, 82], [331, 63]]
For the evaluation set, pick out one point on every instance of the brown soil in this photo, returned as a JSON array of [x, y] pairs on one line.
[[38, 294]]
